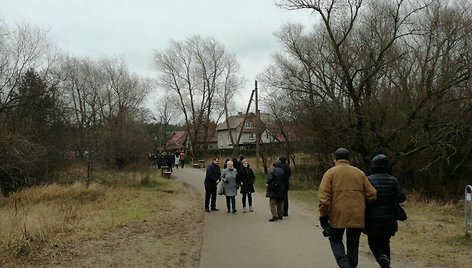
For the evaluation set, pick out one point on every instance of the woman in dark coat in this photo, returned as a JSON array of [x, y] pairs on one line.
[[381, 216], [246, 180], [276, 191]]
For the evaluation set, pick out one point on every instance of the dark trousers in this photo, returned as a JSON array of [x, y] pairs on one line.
[[380, 247], [249, 199], [182, 162], [350, 258], [210, 194], [276, 207], [231, 200], [286, 204]]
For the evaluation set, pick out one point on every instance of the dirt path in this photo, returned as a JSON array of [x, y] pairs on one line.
[[249, 240]]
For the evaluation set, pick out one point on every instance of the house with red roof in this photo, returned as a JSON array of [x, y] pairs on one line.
[[177, 141]]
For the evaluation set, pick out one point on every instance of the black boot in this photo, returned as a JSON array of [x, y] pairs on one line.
[[384, 262]]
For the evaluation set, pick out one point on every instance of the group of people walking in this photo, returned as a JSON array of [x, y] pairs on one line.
[[349, 201], [169, 159], [236, 174], [352, 203]]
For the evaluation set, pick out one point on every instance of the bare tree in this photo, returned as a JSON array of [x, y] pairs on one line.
[[26, 105], [231, 84], [381, 76], [197, 69], [358, 52], [104, 101], [167, 108], [21, 49]]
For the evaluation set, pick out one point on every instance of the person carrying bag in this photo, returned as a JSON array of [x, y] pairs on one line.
[[382, 215]]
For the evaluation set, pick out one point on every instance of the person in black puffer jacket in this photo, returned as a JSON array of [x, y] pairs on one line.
[[381, 216]]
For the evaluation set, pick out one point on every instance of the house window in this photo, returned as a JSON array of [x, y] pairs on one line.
[[252, 136], [267, 135], [249, 124]]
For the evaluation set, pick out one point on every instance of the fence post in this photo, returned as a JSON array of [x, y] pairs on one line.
[[467, 205]]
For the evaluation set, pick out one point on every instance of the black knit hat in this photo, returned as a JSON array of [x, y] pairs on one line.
[[380, 164], [380, 160], [341, 153]]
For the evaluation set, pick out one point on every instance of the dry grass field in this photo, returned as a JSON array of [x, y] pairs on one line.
[[124, 219]]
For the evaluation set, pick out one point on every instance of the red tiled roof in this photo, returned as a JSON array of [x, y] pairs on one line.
[[177, 140]]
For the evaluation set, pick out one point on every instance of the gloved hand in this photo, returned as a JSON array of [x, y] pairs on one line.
[[324, 222]]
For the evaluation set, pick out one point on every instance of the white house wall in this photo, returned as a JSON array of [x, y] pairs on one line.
[[224, 141]]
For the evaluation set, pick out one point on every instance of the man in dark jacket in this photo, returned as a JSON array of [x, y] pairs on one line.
[[276, 191], [286, 178], [212, 177], [381, 216]]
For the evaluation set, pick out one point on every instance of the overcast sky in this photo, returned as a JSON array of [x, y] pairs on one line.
[[135, 29]]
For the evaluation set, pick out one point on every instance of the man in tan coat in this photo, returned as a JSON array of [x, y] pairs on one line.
[[342, 195]]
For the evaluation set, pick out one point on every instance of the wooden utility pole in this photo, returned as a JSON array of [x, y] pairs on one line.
[[245, 119], [258, 120]]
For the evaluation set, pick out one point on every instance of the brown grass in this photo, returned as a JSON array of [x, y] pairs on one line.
[[47, 217], [434, 235]]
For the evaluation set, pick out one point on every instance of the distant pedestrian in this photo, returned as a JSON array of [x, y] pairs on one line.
[[275, 191], [176, 160], [230, 186], [246, 179], [159, 160], [168, 161], [212, 177], [287, 174], [381, 216], [182, 157], [342, 194]]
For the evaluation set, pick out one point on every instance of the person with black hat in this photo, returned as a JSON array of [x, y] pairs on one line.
[[342, 195], [381, 216]]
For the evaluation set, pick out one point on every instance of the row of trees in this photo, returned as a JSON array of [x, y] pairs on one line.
[[54, 107], [380, 76]]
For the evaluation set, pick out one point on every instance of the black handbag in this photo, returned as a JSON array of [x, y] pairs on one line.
[[401, 213]]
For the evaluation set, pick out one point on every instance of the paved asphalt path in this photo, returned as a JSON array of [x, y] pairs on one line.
[[249, 240]]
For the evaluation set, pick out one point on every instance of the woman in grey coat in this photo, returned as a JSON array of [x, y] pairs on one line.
[[228, 176]]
